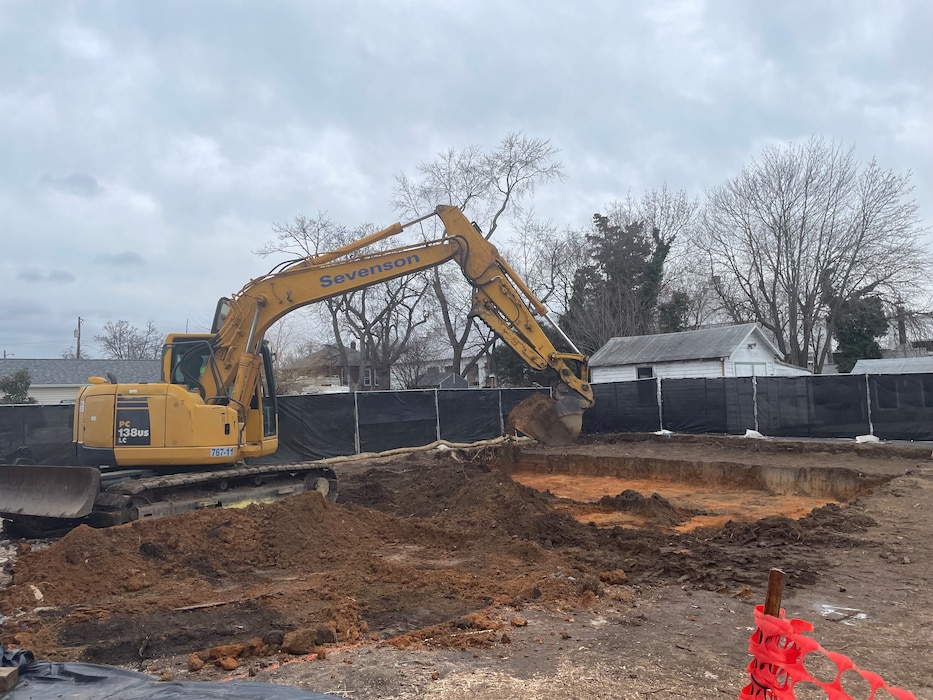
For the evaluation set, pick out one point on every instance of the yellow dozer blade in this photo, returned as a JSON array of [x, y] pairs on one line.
[[48, 491], [549, 421]]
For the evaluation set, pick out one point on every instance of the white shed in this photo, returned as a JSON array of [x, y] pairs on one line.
[[728, 351]]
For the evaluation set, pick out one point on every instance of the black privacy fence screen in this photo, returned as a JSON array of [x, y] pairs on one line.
[[890, 406]]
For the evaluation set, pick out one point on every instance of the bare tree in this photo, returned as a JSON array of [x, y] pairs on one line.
[[910, 330], [383, 317], [305, 236], [801, 230], [123, 341], [673, 214], [545, 258], [290, 340], [420, 353], [490, 187]]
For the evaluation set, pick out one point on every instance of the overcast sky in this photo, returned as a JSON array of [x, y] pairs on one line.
[[146, 148]]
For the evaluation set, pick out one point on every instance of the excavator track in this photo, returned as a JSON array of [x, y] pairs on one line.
[[126, 495]]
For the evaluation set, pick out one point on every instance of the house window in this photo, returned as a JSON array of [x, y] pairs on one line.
[[644, 372], [344, 381], [369, 377]]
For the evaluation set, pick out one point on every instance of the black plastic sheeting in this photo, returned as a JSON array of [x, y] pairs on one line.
[[469, 416], [624, 407], [391, 419], [901, 405], [830, 406], [47, 430], [43, 680], [315, 427], [724, 406], [892, 407]]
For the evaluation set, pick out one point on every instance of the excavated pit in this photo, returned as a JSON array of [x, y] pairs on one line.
[[682, 493]]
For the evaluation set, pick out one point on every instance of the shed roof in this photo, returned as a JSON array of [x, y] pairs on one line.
[[442, 380], [703, 344], [895, 365], [76, 372]]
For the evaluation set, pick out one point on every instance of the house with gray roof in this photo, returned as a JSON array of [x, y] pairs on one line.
[[895, 365], [729, 351], [58, 381]]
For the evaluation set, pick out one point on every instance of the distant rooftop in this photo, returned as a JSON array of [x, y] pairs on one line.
[[703, 344], [895, 365], [76, 372]]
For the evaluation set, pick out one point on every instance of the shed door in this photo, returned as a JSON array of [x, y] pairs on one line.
[[750, 369]]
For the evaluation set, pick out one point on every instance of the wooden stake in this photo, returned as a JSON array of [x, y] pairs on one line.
[[775, 591]]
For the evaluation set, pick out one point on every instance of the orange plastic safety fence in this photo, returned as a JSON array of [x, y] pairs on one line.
[[779, 648]]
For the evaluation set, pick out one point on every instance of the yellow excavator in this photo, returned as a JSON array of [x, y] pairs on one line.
[[148, 450]]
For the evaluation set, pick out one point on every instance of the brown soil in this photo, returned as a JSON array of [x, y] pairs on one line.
[[629, 570]]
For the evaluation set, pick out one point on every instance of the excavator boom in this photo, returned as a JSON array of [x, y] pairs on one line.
[[501, 299]]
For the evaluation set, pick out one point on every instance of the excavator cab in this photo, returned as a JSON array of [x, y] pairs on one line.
[[189, 361]]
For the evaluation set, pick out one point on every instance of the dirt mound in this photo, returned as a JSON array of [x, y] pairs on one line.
[[656, 507], [450, 548], [203, 550], [415, 550], [428, 488]]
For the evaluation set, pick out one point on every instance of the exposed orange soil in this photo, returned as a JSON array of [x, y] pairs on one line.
[[719, 506]]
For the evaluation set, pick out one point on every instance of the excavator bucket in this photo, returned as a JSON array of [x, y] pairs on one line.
[[549, 421], [48, 491]]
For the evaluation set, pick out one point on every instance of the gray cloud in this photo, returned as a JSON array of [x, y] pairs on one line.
[[77, 184], [120, 259], [206, 131], [55, 276]]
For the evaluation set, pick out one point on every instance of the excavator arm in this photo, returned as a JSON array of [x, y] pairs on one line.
[[501, 299]]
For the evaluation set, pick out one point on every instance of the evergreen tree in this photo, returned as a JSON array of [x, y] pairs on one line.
[[672, 314], [856, 326], [616, 292]]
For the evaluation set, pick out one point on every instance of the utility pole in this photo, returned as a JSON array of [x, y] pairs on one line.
[[78, 336]]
